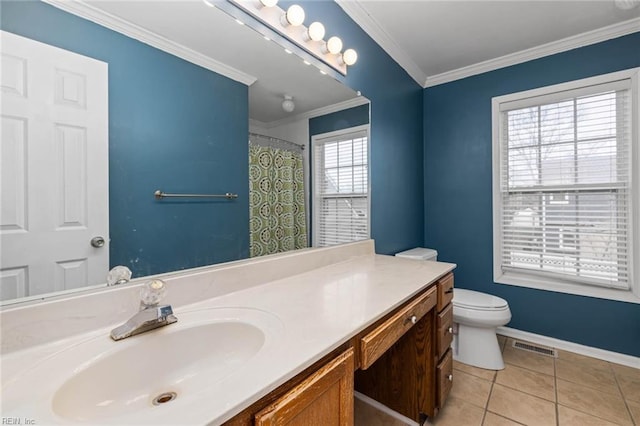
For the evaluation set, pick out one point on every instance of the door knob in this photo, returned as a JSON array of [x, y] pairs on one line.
[[97, 242]]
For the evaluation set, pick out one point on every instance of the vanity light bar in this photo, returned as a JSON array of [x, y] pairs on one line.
[[289, 24]]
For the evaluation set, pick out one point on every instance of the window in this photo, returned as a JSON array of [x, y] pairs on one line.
[[565, 187], [341, 187]]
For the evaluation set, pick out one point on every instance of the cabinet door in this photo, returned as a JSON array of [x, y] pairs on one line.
[[324, 399]]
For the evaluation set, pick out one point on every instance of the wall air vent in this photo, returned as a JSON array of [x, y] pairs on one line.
[[535, 349]]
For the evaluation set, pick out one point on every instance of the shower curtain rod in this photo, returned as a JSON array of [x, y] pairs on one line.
[[277, 140]]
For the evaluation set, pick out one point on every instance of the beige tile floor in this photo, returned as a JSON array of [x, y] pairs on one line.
[[536, 390]]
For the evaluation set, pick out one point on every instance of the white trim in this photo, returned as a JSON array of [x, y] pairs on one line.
[[523, 279], [590, 37], [615, 357], [340, 106], [112, 22], [355, 10], [381, 407]]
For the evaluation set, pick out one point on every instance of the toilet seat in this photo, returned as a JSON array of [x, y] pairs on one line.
[[475, 300]]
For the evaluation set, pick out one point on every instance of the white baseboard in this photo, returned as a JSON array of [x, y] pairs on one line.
[[381, 407], [628, 360]]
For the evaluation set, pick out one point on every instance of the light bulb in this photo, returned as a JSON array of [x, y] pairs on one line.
[[288, 104], [294, 16], [269, 3], [334, 45], [349, 57], [315, 31]]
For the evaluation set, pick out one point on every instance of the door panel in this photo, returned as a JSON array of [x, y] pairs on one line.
[[54, 161]]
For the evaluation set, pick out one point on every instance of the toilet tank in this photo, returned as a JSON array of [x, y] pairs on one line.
[[419, 253]]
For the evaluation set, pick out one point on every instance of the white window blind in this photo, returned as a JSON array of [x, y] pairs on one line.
[[565, 185], [341, 188]]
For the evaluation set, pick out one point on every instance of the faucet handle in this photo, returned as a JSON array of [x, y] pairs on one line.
[[152, 292]]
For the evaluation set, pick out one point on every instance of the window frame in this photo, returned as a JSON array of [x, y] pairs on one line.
[[328, 137], [531, 279]]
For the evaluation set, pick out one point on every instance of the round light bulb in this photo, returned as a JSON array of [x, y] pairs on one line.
[[295, 15], [316, 31], [334, 45], [269, 3], [349, 57]]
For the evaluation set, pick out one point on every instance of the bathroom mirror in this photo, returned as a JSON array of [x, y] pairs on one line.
[[174, 125]]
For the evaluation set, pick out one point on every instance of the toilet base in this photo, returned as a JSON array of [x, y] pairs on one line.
[[477, 346]]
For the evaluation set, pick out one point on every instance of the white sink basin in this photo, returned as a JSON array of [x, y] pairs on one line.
[[102, 381]]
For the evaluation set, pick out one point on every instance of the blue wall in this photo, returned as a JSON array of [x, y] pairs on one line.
[[339, 120], [397, 208], [172, 126], [458, 203]]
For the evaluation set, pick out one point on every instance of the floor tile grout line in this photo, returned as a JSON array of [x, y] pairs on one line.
[[526, 393], [624, 399], [486, 405]]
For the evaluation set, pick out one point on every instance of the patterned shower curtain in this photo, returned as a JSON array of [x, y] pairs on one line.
[[276, 201]]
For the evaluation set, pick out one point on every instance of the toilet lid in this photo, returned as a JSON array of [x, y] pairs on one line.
[[476, 300]]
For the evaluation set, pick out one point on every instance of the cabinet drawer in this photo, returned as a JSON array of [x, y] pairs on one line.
[[444, 330], [376, 343], [445, 291], [444, 373]]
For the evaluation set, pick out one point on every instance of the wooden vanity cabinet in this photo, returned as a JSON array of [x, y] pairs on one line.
[[321, 395], [403, 361], [325, 398], [444, 337]]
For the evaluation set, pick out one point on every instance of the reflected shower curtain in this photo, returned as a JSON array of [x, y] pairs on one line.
[[276, 201]]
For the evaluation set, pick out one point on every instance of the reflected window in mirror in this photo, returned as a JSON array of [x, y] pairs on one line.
[[341, 186]]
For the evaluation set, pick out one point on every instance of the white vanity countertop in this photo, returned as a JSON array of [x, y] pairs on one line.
[[318, 310]]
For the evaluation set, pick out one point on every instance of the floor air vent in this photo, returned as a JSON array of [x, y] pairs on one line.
[[535, 349]]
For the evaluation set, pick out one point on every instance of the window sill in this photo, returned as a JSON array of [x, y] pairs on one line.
[[528, 281]]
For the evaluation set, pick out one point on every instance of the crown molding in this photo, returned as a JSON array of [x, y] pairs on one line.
[[112, 22], [355, 10], [563, 45], [350, 103]]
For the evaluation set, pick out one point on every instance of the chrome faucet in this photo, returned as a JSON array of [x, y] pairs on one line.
[[151, 314]]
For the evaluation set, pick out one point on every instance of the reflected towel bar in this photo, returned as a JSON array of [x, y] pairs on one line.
[[160, 195]]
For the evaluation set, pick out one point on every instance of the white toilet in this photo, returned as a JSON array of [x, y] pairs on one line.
[[476, 316]]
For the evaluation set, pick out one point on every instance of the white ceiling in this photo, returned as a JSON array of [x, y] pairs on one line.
[[434, 39]]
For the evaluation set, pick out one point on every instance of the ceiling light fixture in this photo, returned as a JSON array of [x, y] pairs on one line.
[[308, 43], [288, 104]]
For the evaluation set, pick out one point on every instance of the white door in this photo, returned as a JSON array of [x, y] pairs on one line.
[[54, 169]]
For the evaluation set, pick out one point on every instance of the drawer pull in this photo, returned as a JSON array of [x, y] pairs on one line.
[[414, 319], [449, 291], [450, 330], [450, 377]]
